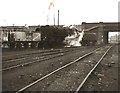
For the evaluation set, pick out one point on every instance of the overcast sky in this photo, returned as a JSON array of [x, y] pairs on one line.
[[34, 12]]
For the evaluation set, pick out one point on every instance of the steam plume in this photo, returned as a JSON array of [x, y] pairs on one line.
[[75, 39], [50, 6]]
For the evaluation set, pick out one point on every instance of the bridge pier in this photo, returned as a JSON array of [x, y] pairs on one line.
[[99, 38], [102, 35], [105, 37]]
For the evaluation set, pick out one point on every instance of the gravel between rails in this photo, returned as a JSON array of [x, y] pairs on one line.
[[16, 79], [17, 55], [66, 79], [105, 77], [11, 64], [31, 59]]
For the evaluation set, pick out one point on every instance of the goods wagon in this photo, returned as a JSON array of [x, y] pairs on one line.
[[20, 39]]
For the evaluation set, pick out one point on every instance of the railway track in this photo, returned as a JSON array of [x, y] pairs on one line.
[[105, 51], [14, 79], [34, 57], [40, 57], [87, 76], [27, 56], [105, 76], [19, 56]]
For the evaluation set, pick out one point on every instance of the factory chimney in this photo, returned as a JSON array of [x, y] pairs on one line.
[[58, 17]]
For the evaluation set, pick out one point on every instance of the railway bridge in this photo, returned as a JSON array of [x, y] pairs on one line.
[[101, 29]]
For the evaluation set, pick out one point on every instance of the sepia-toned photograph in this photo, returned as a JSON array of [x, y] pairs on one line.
[[59, 46]]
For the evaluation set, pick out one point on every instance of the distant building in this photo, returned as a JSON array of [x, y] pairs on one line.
[[114, 39], [33, 28], [79, 27]]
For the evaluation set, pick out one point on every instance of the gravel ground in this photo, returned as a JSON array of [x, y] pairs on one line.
[[105, 77], [69, 78], [13, 54], [31, 58], [17, 78]]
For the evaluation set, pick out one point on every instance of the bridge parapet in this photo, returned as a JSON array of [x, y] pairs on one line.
[[107, 26]]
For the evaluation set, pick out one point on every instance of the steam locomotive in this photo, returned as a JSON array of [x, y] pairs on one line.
[[43, 37], [53, 36]]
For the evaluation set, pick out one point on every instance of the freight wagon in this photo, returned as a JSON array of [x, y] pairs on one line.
[[15, 38]]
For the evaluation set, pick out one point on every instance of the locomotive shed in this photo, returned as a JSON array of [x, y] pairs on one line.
[[32, 65]]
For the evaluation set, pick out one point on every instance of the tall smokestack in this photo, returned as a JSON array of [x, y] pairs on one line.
[[58, 17]]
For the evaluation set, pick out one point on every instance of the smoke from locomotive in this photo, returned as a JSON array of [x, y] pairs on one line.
[[75, 39]]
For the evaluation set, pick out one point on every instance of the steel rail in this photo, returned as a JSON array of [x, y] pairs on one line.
[[40, 79], [23, 58], [28, 63], [24, 64], [80, 86]]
